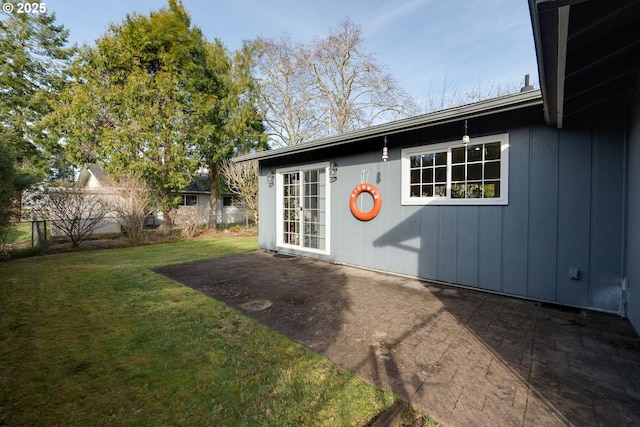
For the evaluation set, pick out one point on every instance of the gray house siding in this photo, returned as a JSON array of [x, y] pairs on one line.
[[633, 218], [565, 210]]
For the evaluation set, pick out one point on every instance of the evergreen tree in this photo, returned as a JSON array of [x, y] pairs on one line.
[[133, 106], [12, 182], [33, 59], [234, 124], [155, 100]]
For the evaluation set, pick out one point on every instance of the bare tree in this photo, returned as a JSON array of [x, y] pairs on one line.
[[287, 92], [130, 200], [480, 92], [190, 217], [242, 179], [355, 91], [75, 213], [328, 87], [445, 96], [450, 95]]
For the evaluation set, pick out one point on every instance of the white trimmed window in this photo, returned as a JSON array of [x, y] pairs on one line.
[[189, 200], [455, 174]]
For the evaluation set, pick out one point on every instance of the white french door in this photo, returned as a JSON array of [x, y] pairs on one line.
[[303, 206]]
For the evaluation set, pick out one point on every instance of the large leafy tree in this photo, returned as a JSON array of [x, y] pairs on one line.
[[154, 100], [234, 124], [33, 58], [138, 101], [12, 182]]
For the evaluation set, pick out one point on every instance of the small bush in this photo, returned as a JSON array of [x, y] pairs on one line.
[[22, 253], [235, 229]]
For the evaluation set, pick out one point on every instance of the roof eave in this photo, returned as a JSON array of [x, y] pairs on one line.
[[479, 109], [550, 22]]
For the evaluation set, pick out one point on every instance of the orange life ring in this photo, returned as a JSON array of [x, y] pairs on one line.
[[377, 202]]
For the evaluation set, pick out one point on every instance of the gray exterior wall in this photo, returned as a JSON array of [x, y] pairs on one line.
[[567, 191], [633, 234]]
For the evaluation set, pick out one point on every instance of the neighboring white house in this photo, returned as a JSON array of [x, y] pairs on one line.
[[194, 204]]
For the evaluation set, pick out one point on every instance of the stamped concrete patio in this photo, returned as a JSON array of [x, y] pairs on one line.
[[460, 356]]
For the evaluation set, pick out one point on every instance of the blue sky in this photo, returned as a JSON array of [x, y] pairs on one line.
[[422, 43]]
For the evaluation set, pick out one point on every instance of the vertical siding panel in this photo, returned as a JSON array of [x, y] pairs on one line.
[[574, 212], [266, 211], [607, 211], [633, 212], [543, 214], [349, 235], [447, 230], [490, 248], [429, 245], [467, 246], [409, 258], [386, 219], [370, 230], [516, 215]]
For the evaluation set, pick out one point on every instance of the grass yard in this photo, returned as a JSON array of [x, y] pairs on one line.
[[19, 233], [96, 338]]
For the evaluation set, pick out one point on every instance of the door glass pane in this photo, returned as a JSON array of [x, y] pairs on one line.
[[304, 208], [291, 207], [313, 218]]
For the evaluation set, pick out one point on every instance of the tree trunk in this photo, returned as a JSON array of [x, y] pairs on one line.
[[213, 214], [166, 225]]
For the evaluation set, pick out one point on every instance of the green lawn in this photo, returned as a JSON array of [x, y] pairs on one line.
[[97, 338], [19, 233]]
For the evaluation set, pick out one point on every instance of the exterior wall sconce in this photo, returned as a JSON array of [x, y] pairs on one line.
[[465, 137], [271, 178], [333, 171], [385, 150]]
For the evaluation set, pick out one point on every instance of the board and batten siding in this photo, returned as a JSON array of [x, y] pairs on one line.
[[566, 210], [633, 217]]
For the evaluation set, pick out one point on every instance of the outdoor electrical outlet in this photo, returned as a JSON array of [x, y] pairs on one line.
[[574, 273]]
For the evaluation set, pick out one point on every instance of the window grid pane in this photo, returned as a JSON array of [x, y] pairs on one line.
[[475, 172], [428, 175]]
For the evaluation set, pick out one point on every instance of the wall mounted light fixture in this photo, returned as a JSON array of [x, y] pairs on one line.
[[271, 178], [465, 137], [385, 150], [333, 171]]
